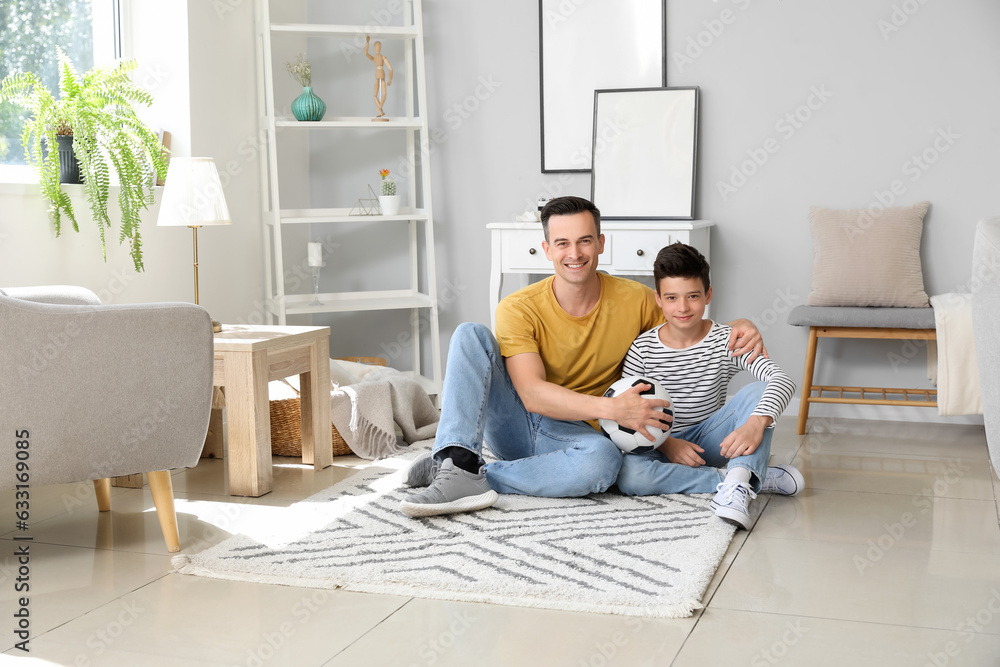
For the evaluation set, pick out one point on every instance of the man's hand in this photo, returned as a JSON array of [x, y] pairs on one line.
[[682, 452], [745, 337], [745, 439], [635, 412]]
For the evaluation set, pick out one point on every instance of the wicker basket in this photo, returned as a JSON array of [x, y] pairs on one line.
[[286, 421]]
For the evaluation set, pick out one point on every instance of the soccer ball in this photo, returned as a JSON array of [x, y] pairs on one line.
[[628, 440]]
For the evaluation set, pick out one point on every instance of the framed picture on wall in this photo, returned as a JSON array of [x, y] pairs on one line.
[[645, 143], [586, 46]]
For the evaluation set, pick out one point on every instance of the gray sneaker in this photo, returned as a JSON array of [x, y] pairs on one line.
[[785, 480], [453, 490], [422, 471]]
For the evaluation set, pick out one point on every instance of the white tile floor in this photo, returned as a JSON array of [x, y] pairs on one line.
[[890, 557]]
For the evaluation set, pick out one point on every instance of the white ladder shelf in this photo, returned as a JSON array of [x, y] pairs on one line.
[[280, 304]]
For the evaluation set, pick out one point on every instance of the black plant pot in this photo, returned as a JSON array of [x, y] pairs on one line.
[[69, 168]]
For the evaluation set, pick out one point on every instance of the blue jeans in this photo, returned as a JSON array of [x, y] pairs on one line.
[[539, 456], [651, 473]]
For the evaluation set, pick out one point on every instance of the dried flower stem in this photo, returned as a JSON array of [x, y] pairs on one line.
[[300, 70]]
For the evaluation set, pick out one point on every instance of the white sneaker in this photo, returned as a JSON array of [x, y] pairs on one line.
[[732, 501], [784, 479]]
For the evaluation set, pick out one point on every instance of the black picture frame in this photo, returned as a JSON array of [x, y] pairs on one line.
[[598, 48]]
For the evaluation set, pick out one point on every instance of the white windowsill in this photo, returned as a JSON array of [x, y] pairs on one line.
[[72, 189]]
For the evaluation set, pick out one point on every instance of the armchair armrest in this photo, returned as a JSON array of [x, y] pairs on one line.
[[104, 391], [985, 322], [66, 294]]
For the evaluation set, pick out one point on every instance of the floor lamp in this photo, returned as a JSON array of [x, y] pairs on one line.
[[192, 197]]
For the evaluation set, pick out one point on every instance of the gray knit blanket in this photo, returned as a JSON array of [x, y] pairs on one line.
[[365, 412]]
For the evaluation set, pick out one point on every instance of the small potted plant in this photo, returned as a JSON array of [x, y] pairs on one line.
[[95, 115], [388, 200], [307, 106]]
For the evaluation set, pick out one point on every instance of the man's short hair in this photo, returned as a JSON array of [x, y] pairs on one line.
[[679, 260], [568, 206]]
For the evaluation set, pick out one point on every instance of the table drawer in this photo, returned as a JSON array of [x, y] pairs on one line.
[[522, 251], [635, 250]]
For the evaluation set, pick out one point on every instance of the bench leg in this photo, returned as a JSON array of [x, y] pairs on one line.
[[807, 380]]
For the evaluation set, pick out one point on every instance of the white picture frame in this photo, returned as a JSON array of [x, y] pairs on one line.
[[645, 148], [586, 46]]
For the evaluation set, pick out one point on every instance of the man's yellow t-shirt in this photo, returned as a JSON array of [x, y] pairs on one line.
[[585, 353]]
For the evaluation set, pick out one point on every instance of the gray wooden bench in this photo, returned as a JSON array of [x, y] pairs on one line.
[[848, 322]]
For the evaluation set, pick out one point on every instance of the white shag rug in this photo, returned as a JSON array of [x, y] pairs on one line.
[[604, 553]]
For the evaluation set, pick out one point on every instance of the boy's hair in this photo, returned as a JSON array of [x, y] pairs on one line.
[[679, 260], [568, 206]]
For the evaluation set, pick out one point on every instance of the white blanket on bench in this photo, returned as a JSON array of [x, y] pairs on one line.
[[957, 373]]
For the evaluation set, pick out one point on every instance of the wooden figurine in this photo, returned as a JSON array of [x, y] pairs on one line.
[[382, 83]]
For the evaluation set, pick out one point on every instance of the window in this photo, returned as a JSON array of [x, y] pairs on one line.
[[88, 31]]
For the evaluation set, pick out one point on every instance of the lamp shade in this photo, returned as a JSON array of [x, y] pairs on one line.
[[192, 195]]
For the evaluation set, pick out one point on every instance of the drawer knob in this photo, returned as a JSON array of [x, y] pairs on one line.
[[531, 251], [640, 252]]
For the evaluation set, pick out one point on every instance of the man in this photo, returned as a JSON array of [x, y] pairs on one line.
[[536, 390]]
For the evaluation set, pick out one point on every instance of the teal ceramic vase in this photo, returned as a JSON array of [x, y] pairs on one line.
[[307, 106]]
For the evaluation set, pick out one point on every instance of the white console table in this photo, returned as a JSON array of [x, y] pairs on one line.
[[629, 248]]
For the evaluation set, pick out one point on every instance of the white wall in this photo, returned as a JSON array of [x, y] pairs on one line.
[[224, 126]]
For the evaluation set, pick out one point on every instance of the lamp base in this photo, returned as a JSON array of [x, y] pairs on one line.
[[216, 327]]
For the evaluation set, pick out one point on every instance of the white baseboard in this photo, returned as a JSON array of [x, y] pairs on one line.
[[880, 412]]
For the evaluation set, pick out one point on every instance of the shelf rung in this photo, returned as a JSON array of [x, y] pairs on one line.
[[311, 215], [332, 30], [363, 122], [339, 302]]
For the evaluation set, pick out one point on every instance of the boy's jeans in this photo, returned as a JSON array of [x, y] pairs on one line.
[[539, 456], [651, 473]]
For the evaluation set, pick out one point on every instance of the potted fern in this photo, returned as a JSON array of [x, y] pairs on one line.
[[97, 110]]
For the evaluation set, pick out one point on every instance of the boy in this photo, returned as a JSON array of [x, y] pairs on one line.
[[689, 357]]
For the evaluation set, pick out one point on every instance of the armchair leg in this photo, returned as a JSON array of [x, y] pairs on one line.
[[163, 497], [102, 487]]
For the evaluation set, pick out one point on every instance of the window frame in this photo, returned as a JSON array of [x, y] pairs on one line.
[[111, 43]]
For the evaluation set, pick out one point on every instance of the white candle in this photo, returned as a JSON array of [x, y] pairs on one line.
[[315, 254]]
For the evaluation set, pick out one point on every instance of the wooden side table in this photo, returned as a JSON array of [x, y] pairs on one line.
[[246, 359]]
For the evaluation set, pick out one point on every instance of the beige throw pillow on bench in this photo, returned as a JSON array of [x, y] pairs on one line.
[[866, 258]]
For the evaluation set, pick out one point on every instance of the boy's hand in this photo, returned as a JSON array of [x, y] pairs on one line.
[[745, 439], [682, 452], [635, 412], [745, 338]]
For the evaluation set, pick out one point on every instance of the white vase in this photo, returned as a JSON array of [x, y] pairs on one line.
[[389, 204]]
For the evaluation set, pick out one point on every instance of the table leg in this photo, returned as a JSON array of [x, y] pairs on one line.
[[496, 276], [249, 455], [314, 404], [214, 445]]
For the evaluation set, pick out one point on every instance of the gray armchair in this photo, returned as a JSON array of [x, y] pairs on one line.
[[93, 391], [986, 324]]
